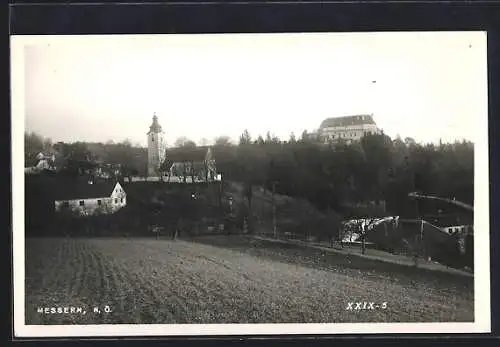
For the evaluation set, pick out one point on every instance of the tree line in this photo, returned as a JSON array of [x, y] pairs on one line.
[[335, 176], [339, 175]]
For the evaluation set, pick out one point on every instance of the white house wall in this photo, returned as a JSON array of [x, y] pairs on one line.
[[116, 201], [118, 191]]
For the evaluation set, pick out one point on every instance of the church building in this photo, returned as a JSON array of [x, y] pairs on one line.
[[185, 163], [156, 147]]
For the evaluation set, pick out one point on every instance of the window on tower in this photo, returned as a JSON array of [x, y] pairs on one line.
[[152, 139]]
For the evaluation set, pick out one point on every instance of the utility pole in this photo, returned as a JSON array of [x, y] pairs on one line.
[[418, 217], [417, 196], [275, 231], [421, 227], [422, 237], [220, 195], [363, 237], [217, 189]]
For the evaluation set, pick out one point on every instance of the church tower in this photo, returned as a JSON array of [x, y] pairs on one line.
[[156, 147]]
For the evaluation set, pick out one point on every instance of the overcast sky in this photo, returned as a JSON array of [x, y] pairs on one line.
[[97, 88]]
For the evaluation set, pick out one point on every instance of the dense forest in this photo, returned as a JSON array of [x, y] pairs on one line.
[[334, 176]]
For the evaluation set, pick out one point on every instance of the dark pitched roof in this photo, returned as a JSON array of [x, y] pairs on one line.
[[181, 154], [80, 189], [348, 120]]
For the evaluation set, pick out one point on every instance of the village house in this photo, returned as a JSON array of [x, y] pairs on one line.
[[467, 229], [105, 170], [89, 198], [44, 161], [453, 222]]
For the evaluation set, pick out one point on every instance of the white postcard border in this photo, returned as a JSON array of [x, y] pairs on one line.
[[482, 294]]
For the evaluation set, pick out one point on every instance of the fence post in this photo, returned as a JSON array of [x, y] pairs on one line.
[[245, 226], [422, 238], [275, 231]]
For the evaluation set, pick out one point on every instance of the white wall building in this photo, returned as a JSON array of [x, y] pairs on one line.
[[156, 147], [88, 198], [458, 229], [349, 128]]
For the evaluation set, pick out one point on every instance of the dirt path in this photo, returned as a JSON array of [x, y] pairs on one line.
[[149, 281], [375, 255]]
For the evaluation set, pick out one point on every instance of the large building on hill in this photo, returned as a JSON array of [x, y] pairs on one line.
[[348, 128], [156, 147], [44, 161]]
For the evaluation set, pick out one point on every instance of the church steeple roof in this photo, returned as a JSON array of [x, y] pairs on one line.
[[155, 127]]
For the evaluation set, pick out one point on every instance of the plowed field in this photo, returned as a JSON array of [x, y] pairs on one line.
[[164, 282]]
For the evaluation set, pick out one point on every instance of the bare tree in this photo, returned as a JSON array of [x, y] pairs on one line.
[[34, 144], [260, 140], [223, 141], [192, 171], [304, 136], [165, 167], [183, 141], [203, 142], [245, 138], [184, 172]]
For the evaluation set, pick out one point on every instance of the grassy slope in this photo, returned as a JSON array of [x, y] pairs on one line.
[[292, 211], [292, 214], [372, 255], [148, 281]]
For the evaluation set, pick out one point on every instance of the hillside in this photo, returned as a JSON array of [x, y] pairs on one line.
[[294, 217], [204, 206], [201, 208]]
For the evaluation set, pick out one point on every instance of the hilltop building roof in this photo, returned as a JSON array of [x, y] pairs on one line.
[[347, 120]]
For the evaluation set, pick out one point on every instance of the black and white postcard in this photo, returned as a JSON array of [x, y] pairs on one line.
[[250, 184]]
